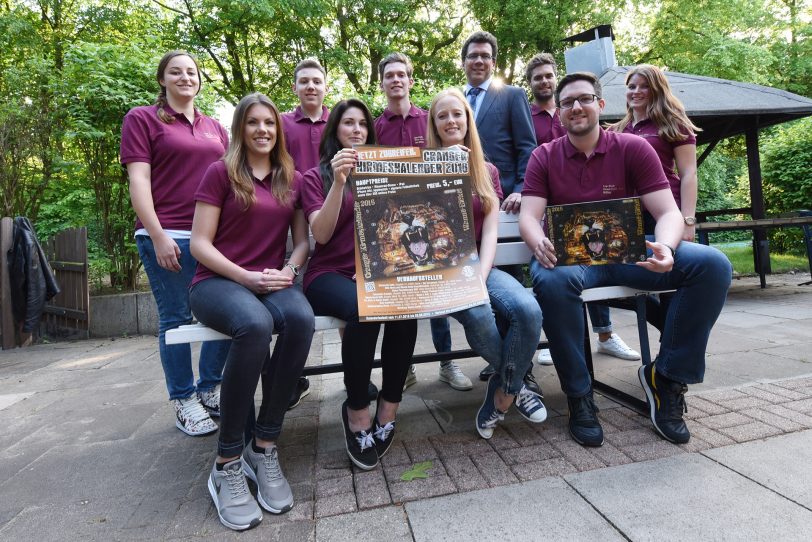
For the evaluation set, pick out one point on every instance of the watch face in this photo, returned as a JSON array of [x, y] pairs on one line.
[[690, 220]]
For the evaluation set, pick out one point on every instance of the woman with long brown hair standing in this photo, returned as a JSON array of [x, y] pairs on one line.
[[656, 115], [166, 148]]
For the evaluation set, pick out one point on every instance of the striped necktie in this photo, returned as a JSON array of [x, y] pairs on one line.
[[473, 92]]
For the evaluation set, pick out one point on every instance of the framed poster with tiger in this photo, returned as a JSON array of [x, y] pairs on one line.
[[416, 254]]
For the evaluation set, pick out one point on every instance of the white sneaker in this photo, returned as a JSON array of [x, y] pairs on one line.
[[192, 418], [614, 346], [452, 375], [210, 399], [411, 378], [544, 358]]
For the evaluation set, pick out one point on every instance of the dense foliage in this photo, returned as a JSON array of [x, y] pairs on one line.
[[70, 69], [787, 170]]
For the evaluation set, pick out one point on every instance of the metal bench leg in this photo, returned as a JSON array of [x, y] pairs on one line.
[[614, 394]]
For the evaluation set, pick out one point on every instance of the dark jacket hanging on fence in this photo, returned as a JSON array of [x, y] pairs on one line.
[[32, 281]]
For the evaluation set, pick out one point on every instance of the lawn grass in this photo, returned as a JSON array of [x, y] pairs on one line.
[[742, 260]]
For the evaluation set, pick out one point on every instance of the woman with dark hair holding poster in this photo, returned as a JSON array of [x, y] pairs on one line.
[[166, 148], [450, 124], [246, 205], [329, 285]]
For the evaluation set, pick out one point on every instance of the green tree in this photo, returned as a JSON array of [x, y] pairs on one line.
[[105, 81], [526, 28], [786, 163]]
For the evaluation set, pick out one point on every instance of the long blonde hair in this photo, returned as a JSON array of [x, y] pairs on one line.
[[480, 175], [664, 109], [282, 168]]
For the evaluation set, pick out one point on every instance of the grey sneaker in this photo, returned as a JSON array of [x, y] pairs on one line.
[[452, 375], [236, 507], [411, 378], [210, 399], [273, 491], [192, 418]]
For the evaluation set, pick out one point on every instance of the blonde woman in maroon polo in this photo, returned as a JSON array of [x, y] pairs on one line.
[[247, 204], [656, 115], [166, 148]]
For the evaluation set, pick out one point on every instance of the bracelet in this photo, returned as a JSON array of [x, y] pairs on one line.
[[669, 247]]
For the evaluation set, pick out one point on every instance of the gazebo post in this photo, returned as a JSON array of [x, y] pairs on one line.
[[761, 248]]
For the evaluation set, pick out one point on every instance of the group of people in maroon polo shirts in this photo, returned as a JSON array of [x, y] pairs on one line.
[[215, 215]]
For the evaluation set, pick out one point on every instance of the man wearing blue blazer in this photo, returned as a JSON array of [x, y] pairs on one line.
[[502, 116], [506, 130]]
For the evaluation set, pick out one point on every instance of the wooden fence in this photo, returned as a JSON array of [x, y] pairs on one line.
[[68, 314]]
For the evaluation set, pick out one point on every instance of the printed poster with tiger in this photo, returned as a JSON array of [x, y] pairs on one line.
[[597, 232], [415, 248]]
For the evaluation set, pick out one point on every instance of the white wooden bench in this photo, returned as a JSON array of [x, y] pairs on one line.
[[509, 250]]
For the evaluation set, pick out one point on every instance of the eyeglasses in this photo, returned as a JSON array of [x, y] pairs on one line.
[[583, 99], [473, 56]]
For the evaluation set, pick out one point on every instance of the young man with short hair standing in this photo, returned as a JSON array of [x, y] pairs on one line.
[[592, 164], [303, 128], [304, 125], [404, 124]]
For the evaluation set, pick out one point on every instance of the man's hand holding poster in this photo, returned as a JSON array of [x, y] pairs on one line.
[[416, 255]]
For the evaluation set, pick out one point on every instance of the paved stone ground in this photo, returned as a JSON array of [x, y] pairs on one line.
[[89, 450]]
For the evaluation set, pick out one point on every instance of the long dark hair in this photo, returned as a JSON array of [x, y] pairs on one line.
[[282, 169], [330, 144]]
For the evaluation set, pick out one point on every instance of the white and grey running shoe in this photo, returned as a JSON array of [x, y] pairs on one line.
[[236, 507], [273, 490]]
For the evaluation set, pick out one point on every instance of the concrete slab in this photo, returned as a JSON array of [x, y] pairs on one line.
[[388, 523], [689, 497], [781, 464], [546, 509]]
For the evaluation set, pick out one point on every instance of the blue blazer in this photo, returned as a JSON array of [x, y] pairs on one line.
[[506, 130]]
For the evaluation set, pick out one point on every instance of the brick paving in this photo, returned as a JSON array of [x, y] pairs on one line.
[[93, 416], [522, 451]]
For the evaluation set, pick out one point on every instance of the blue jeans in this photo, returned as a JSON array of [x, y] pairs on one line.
[[171, 292], [510, 347], [599, 316], [701, 275], [251, 320]]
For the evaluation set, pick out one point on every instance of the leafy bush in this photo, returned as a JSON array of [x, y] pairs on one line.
[[786, 164]]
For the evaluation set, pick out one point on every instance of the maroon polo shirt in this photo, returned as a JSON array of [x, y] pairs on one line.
[[664, 149], [302, 137], [547, 127], [178, 154], [621, 166], [476, 203], [253, 238], [338, 254], [400, 131]]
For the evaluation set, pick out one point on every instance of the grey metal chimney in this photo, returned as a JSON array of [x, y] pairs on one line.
[[596, 55]]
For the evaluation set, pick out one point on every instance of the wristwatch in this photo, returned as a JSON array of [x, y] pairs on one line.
[[294, 268], [689, 220]]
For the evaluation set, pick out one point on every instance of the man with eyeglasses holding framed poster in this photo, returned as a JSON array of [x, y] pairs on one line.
[[591, 164]]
